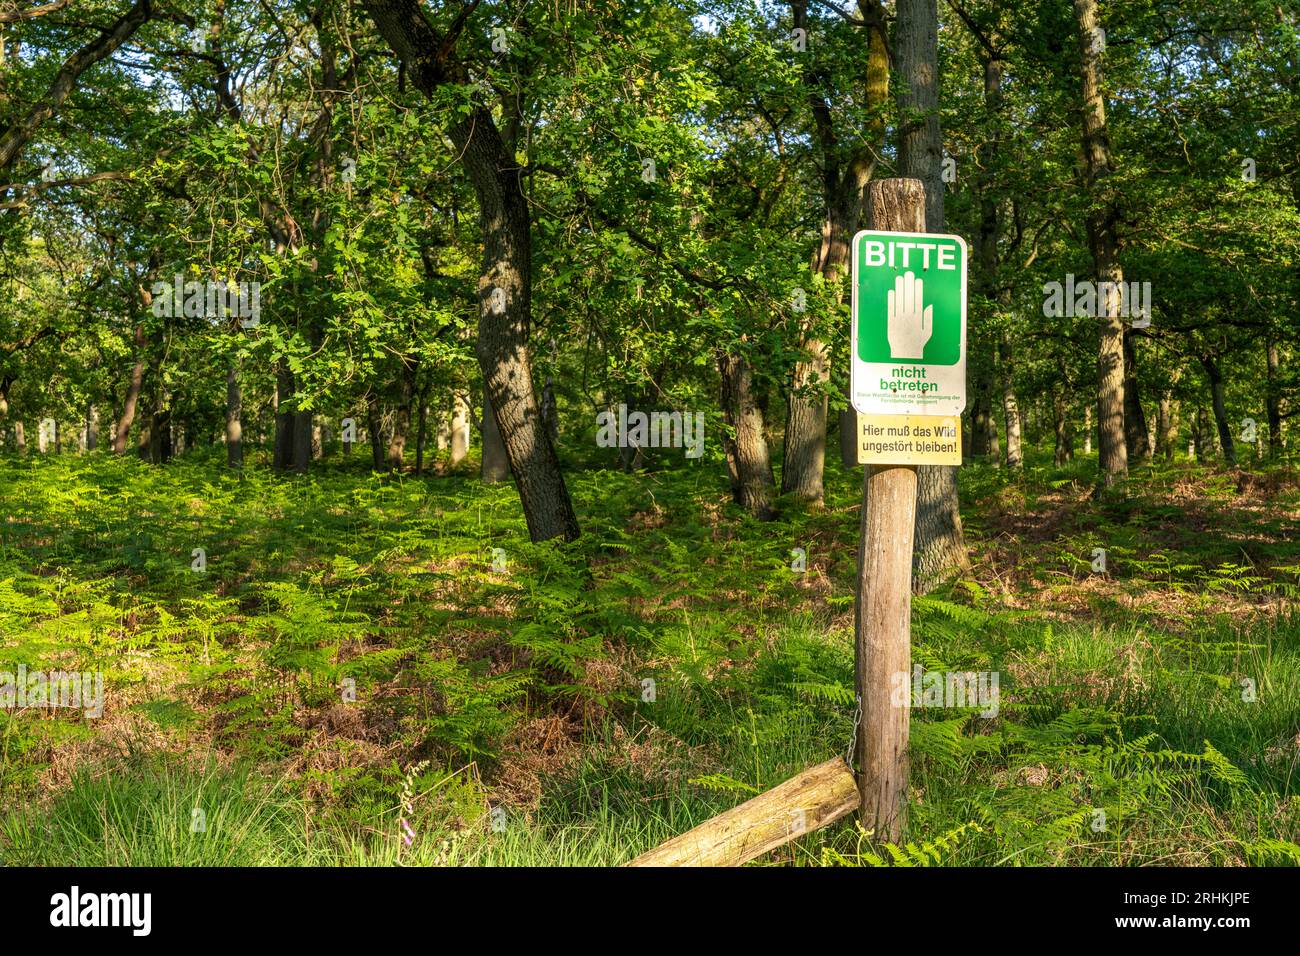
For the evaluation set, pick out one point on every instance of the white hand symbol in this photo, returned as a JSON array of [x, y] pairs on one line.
[[909, 327]]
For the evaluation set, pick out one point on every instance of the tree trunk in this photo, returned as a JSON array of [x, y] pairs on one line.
[[989, 259], [550, 412], [849, 438], [1104, 245], [444, 430], [1064, 448], [302, 440], [1200, 435], [1215, 375], [505, 306], [92, 427], [234, 418], [1273, 397], [1166, 426], [495, 465], [1010, 407], [749, 466], [402, 420], [842, 179], [160, 439], [284, 419], [1136, 438], [375, 426], [421, 424], [505, 283], [132, 395], [421, 433], [984, 429], [940, 543], [459, 437], [632, 457]]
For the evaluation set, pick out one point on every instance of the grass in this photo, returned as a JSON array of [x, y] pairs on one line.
[[1148, 715]]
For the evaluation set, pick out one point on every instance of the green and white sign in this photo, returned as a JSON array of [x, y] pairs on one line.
[[909, 324]]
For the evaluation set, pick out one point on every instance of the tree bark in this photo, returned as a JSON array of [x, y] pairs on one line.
[[749, 465], [132, 398], [1215, 375], [1010, 407], [1166, 426], [375, 426], [1273, 397], [421, 424], [282, 460], [990, 281], [234, 414], [940, 543], [984, 433], [505, 284], [92, 427], [303, 450], [459, 437], [1064, 447], [843, 174], [495, 465], [1136, 437], [402, 420], [1200, 450], [632, 457], [549, 410], [1104, 244]]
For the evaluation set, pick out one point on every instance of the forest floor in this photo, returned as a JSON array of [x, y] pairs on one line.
[[368, 666]]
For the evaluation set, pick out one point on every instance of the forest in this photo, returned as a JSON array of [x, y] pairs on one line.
[[428, 435]]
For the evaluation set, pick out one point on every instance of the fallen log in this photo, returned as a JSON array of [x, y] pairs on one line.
[[817, 797]]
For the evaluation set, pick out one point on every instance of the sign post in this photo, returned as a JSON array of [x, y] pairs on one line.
[[908, 381]]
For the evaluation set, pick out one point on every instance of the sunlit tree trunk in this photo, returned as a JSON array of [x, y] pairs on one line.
[[92, 427], [843, 176], [132, 398], [459, 437], [1104, 244], [749, 465], [234, 418], [495, 465], [940, 545]]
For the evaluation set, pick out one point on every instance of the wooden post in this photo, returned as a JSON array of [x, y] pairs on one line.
[[882, 621]]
